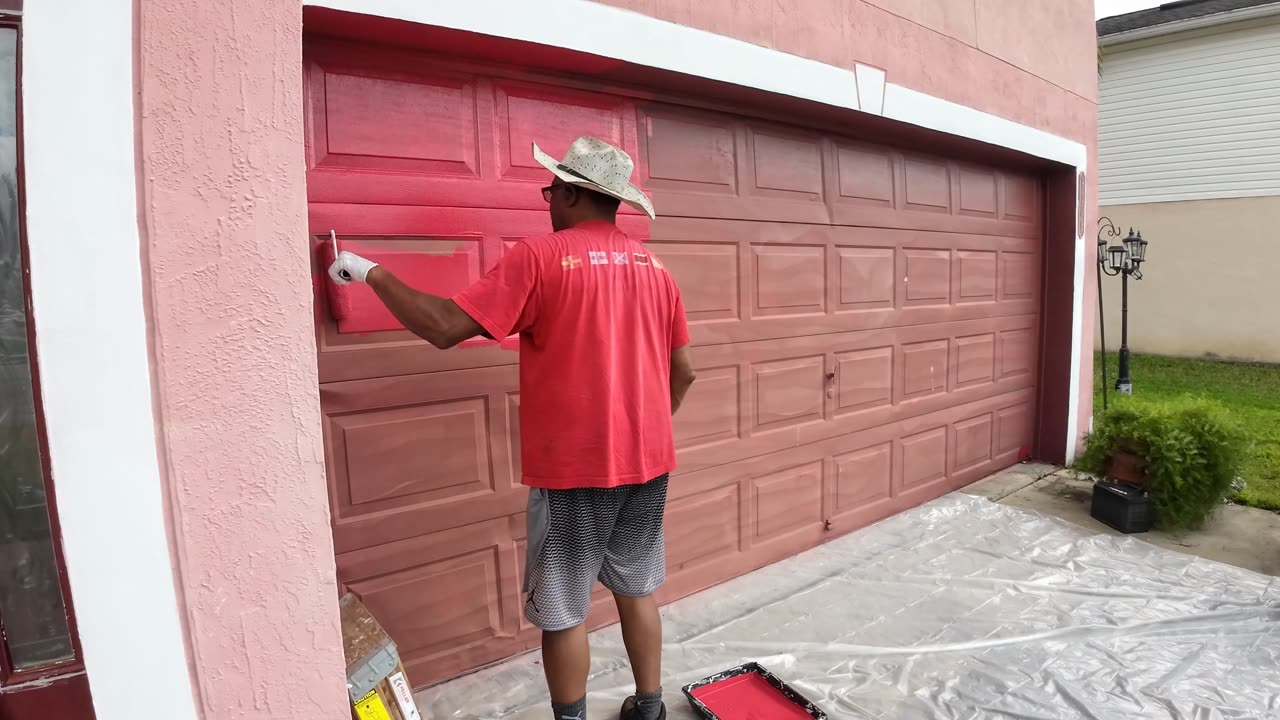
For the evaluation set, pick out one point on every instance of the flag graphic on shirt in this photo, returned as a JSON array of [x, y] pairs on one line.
[[599, 257], [640, 258], [570, 262], [619, 258]]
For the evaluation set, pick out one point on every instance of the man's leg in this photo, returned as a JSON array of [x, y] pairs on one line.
[[566, 659], [635, 566], [568, 532], [642, 634]]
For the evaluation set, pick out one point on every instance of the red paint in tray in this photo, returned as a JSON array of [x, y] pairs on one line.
[[748, 697]]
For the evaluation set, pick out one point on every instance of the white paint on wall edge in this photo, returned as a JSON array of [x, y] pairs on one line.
[[91, 339]]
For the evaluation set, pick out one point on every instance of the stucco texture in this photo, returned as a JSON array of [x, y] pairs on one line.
[[224, 207], [1209, 284]]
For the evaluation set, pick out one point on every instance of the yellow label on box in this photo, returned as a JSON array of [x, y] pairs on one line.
[[370, 707]]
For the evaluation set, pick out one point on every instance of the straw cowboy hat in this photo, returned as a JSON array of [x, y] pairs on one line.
[[597, 165]]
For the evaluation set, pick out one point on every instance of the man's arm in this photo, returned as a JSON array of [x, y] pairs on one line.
[[682, 376], [437, 320]]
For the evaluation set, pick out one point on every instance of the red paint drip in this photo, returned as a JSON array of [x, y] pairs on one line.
[[748, 697]]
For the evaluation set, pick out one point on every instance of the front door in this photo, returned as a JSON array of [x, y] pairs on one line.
[[41, 673]]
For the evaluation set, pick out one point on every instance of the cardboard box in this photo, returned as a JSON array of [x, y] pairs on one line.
[[376, 681]]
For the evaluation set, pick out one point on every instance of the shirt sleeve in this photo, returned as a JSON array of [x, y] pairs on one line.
[[679, 324], [505, 300]]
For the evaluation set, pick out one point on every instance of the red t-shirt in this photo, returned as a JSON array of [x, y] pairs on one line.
[[598, 317]]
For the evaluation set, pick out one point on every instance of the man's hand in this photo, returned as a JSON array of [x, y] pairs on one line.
[[356, 268]]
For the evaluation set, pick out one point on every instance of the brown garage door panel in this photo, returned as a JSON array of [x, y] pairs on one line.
[[760, 397], [716, 166], [784, 279], [427, 451], [731, 518]]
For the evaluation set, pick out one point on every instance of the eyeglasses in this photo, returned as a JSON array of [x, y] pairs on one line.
[[550, 190]]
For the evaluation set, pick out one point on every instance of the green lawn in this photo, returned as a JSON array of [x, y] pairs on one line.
[[1250, 392]]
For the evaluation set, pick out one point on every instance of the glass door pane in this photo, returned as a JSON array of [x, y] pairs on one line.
[[31, 603]]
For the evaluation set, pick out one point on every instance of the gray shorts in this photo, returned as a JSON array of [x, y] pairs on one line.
[[578, 536]]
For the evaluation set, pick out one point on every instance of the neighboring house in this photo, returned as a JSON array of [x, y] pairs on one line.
[[880, 212], [1189, 154]]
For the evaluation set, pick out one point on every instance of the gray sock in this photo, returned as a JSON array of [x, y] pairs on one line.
[[649, 704], [570, 711]]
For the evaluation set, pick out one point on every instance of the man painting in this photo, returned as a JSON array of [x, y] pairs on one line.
[[604, 364]]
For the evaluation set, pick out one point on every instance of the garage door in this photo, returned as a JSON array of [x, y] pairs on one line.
[[865, 321]]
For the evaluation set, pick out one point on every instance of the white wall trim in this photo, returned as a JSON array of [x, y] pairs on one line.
[[90, 320], [643, 40]]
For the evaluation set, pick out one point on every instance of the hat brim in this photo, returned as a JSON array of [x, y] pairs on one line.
[[630, 194]]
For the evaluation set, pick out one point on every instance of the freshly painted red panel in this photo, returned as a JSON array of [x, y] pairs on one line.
[[553, 119], [375, 122], [864, 321]]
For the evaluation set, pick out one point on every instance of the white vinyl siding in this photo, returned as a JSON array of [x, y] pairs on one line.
[[1191, 118]]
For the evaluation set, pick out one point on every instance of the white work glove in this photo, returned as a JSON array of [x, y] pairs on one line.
[[355, 268]]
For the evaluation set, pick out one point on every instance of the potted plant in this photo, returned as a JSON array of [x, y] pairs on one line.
[[1186, 454]]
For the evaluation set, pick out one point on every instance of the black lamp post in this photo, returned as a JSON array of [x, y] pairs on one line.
[[1124, 259]]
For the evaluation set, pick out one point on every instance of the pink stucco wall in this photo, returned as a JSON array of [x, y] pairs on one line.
[[223, 213]]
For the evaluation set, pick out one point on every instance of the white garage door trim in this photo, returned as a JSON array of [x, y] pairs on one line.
[[647, 41]]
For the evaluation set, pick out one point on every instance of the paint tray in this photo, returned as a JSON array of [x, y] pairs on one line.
[[749, 692]]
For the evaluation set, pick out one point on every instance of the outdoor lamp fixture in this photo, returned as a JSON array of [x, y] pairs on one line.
[[1125, 259]]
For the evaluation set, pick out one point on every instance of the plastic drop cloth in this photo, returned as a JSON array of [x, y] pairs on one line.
[[961, 608]]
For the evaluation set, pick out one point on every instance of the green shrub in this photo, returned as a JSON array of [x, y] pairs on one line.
[[1193, 450]]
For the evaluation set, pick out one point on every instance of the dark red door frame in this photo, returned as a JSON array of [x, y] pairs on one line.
[[58, 691]]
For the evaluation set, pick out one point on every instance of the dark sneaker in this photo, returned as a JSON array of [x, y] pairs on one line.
[[631, 711]]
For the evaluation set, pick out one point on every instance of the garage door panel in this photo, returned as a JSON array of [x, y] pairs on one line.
[[712, 410], [864, 278], [424, 451], [704, 528], [787, 391], [374, 116], [782, 175], [448, 598], [788, 279], [979, 191], [554, 118], [707, 275], [688, 152]]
